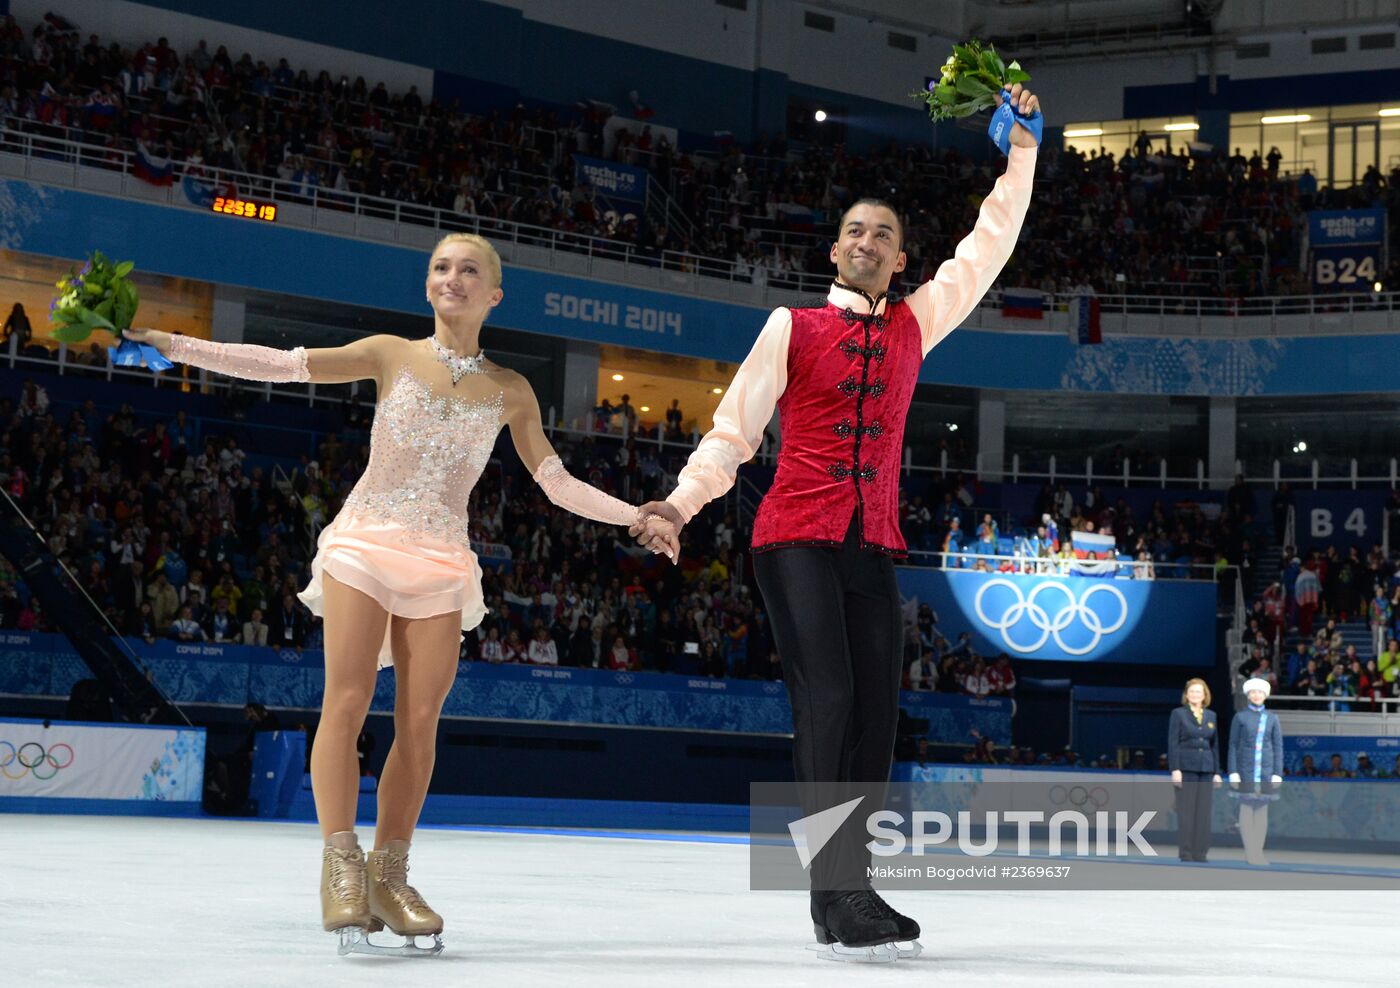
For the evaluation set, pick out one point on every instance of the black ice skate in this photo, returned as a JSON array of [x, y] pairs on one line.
[[850, 926], [908, 944]]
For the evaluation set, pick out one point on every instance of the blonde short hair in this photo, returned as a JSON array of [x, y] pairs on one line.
[[1205, 702], [493, 259]]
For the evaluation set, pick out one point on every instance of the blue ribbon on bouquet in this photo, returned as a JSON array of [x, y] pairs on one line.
[[1005, 117], [133, 354]]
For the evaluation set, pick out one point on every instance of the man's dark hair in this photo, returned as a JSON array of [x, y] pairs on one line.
[[872, 201]]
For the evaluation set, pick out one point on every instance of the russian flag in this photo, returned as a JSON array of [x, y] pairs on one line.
[[1094, 552], [150, 167], [1022, 303], [1084, 319]]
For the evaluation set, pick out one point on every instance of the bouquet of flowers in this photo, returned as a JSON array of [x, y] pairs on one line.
[[969, 82], [102, 296]]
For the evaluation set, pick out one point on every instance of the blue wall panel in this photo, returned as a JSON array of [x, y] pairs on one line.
[[195, 244], [1073, 618]]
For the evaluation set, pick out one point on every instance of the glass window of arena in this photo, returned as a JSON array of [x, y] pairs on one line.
[[1117, 137], [1337, 144]]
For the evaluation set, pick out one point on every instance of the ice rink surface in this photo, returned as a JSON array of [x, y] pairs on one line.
[[130, 901]]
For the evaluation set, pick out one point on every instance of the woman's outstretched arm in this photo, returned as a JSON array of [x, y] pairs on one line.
[[355, 361], [564, 490]]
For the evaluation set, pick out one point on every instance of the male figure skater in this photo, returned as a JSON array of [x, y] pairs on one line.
[[841, 370]]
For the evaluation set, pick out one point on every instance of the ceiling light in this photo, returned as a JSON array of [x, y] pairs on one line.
[[1085, 132], [1390, 111], [717, 391], [819, 116], [617, 377], [1182, 126], [1287, 118], [646, 408]]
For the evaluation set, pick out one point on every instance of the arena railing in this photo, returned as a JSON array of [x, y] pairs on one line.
[[966, 561], [109, 171]]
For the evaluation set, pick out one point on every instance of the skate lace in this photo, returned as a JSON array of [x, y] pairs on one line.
[[396, 882], [882, 908], [861, 903], [347, 878]]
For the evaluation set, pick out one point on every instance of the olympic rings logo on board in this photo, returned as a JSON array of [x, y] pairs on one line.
[[32, 758], [1079, 796], [1026, 606]]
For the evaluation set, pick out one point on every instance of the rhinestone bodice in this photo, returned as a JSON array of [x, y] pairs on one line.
[[427, 452]]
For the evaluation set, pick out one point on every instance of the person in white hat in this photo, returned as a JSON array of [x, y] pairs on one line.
[[1256, 767]]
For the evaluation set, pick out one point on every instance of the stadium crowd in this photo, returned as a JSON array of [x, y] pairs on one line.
[[173, 535], [1165, 223]]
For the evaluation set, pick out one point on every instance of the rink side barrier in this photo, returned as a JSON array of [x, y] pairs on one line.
[[35, 664], [72, 767]]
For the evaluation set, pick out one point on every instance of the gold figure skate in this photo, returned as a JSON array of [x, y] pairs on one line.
[[395, 904], [344, 890]]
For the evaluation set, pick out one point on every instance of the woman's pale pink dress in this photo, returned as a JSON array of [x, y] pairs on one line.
[[401, 536]]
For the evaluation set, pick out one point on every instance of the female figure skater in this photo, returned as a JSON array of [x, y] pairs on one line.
[[1256, 767], [394, 576], [1193, 755]]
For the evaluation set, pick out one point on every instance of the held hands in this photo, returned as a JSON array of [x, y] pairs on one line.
[[658, 528], [150, 337], [1025, 102]]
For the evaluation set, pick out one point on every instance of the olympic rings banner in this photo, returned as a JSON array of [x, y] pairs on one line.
[[1075, 619], [100, 761]]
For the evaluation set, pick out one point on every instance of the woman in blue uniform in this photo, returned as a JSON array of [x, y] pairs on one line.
[[1256, 767], [1193, 755]]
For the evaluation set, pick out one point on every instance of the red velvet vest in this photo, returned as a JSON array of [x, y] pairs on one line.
[[850, 381]]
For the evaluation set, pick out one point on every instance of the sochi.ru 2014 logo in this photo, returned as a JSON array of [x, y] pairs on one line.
[[32, 758]]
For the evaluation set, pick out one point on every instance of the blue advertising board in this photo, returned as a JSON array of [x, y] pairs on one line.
[[41, 664], [1071, 618]]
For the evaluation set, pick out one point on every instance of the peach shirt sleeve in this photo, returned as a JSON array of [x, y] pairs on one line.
[[743, 414], [943, 302]]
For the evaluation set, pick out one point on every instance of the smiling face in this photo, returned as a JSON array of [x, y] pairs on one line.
[[1195, 694], [867, 252], [464, 281]]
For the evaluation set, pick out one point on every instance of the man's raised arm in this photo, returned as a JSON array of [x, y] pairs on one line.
[[944, 301]]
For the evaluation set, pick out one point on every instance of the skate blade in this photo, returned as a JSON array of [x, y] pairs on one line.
[[909, 949], [881, 953], [354, 940]]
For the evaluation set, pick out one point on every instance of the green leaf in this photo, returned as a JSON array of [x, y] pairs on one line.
[[972, 86], [104, 308], [965, 55], [72, 334], [945, 94], [124, 268], [1015, 75], [1000, 67]]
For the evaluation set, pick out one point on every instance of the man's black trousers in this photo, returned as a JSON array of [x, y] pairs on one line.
[[837, 624]]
